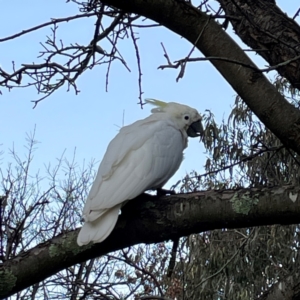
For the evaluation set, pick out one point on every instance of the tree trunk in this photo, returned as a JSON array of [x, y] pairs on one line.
[[264, 27]]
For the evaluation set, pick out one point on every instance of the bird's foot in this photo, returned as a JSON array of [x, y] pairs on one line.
[[163, 192]]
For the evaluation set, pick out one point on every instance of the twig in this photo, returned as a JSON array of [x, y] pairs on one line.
[[110, 28], [53, 21], [296, 14], [293, 156], [286, 62], [173, 258], [137, 54], [250, 157], [181, 63], [178, 63]]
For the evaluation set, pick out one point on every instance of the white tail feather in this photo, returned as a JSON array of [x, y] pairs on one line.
[[100, 229]]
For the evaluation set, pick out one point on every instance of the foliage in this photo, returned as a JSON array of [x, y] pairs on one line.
[[241, 153]]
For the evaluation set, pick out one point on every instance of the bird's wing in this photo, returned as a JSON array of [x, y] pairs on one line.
[[142, 156]]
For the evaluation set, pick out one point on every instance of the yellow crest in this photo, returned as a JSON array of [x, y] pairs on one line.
[[159, 104]]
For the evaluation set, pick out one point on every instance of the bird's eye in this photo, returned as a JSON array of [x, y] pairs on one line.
[[186, 117]]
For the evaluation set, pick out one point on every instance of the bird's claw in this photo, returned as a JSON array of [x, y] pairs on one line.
[[163, 192]]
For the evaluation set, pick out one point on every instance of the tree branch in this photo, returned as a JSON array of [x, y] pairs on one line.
[[52, 22], [261, 24], [149, 219]]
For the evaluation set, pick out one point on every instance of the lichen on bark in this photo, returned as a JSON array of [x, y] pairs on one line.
[[243, 203], [67, 244], [7, 282]]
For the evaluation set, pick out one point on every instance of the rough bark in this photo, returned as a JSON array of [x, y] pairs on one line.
[[149, 219], [264, 27], [259, 94]]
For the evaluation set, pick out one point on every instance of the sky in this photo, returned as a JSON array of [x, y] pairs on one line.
[[89, 120]]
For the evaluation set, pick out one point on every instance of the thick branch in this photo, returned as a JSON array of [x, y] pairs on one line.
[[148, 219], [262, 25], [253, 87]]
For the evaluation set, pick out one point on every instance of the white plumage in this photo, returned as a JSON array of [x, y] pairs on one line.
[[142, 156]]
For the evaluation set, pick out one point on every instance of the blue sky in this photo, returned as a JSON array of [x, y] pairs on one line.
[[89, 120]]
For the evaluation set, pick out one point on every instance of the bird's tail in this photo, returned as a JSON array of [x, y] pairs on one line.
[[99, 229]]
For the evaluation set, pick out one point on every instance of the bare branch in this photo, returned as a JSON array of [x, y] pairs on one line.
[[247, 158], [296, 14], [182, 63], [137, 54], [49, 76], [52, 22], [173, 257]]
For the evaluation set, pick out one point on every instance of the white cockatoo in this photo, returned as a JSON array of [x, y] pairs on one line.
[[142, 156]]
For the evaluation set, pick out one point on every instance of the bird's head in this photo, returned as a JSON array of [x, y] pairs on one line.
[[185, 117]]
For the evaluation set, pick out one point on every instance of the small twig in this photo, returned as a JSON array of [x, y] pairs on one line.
[[247, 158], [284, 63], [138, 60], [96, 32], [296, 14], [36, 102], [182, 62], [178, 63], [53, 21], [113, 42], [145, 26], [183, 65], [109, 29], [293, 156], [143, 270], [173, 258], [166, 55]]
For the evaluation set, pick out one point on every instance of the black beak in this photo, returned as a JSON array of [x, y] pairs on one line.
[[195, 129]]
